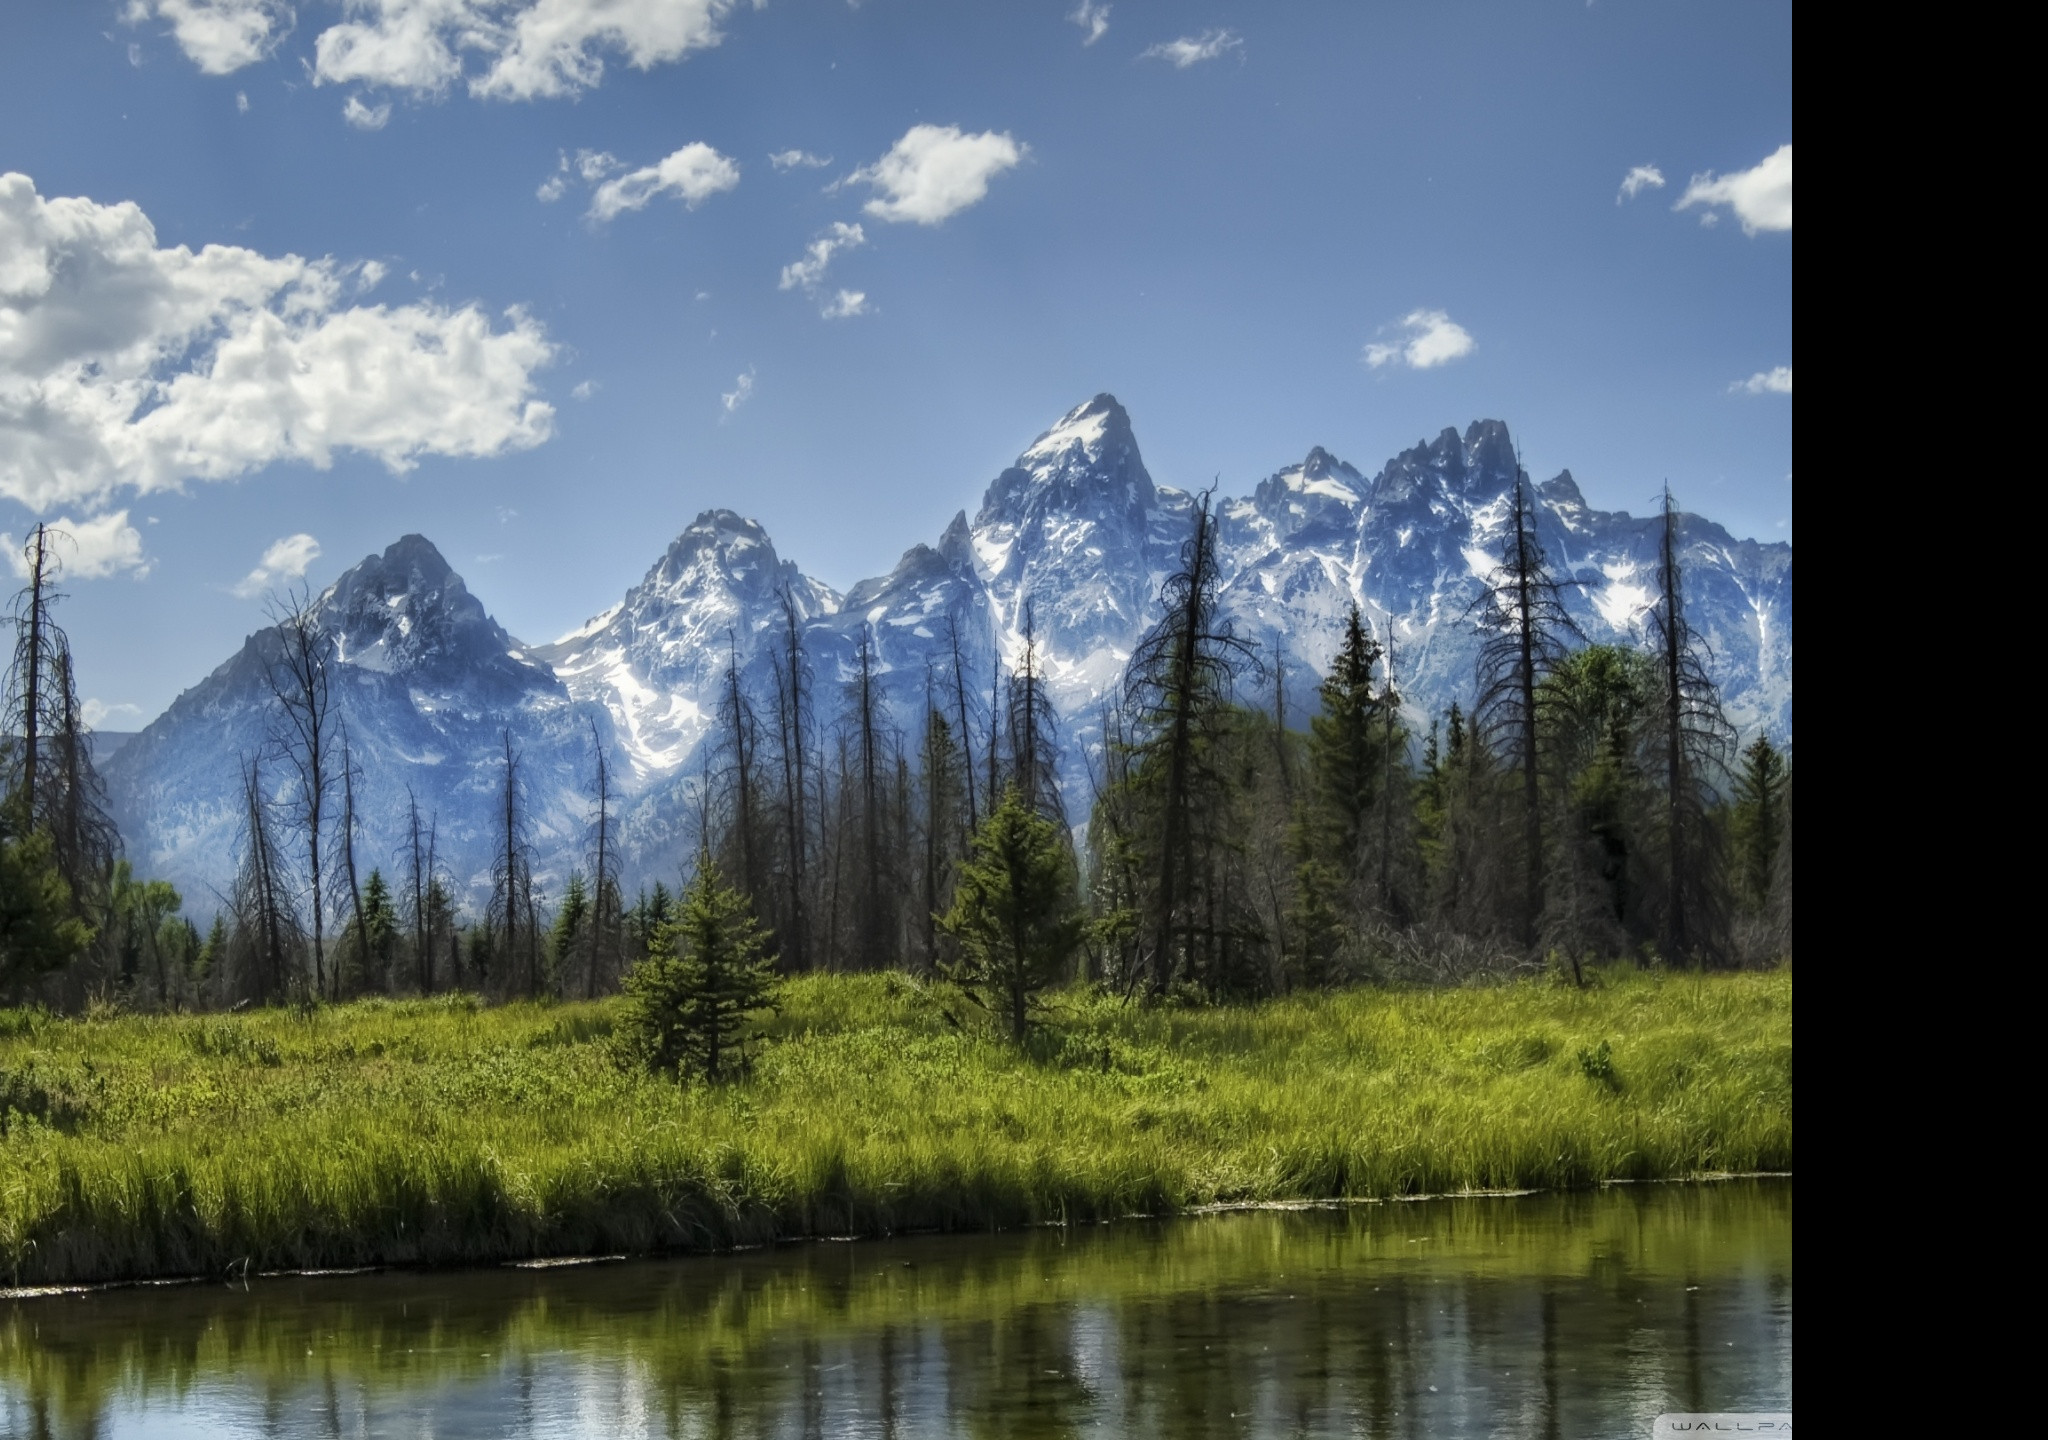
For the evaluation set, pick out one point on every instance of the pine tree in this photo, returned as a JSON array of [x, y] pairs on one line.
[[690, 1004], [39, 932], [571, 937], [1760, 817], [1014, 911]]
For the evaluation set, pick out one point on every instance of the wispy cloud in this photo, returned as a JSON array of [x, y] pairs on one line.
[[742, 391], [1760, 196], [100, 713], [1428, 338], [692, 174], [798, 160], [366, 117], [847, 304], [935, 171], [219, 36], [1093, 17], [1194, 49], [808, 273], [1775, 381], [286, 559], [1639, 179]]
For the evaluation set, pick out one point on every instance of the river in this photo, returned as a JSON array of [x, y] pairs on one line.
[[1558, 1315]]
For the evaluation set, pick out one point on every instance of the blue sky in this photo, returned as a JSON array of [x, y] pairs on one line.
[[1263, 227]]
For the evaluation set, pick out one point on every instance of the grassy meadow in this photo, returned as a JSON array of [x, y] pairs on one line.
[[440, 1132]]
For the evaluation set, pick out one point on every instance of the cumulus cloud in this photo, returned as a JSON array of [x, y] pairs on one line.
[[798, 160], [219, 36], [89, 549], [1761, 196], [284, 561], [1194, 49], [1429, 338], [126, 366], [847, 304], [1092, 16], [366, 117], [527, 49], [742, 390], [935, 171], [808, 273], [692, 174], [1638, 179], [1775, 381]]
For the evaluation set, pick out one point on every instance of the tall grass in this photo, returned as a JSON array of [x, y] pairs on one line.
[[437, 1132]]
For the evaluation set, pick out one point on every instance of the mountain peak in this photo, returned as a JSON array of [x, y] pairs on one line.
[[1087, 464]]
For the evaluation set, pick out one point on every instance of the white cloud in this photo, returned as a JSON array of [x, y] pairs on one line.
[[847, 304], [693, 174], [584, 390], [366, 117], [529, 49], [1194, 49], [742, 390], [286, 559], [1761, 196], [935, 171], [369, 275], [1431, 338], [97, 713], [808, 272], [1775, 381], [124, 366], [1092, 16], [89, 549], [1638, 179], [242, 102], [219, 36], [798, 159]]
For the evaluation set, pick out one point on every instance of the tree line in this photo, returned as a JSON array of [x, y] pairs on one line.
[[1588, 803]]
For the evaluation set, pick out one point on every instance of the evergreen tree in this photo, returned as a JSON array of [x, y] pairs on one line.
[[571, 937], [1014, 912], [691, 1002], [377, 928], [1761, 819], [39, 932]]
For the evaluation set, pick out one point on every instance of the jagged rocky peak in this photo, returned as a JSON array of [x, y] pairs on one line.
[[1322, 492], [1086, 463], [406, 611]]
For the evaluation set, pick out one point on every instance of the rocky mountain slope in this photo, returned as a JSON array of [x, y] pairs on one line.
[[1071, 543]]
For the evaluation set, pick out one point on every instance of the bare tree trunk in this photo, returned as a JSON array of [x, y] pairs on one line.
[[348, 861], [604, 802]]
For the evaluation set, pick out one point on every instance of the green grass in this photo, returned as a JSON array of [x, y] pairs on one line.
[[436, 1132]]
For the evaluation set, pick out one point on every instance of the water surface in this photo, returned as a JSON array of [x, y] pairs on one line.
[[1580, 1315]]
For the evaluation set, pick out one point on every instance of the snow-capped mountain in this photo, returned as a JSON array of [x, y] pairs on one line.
[[1073, 542], [425, 685]]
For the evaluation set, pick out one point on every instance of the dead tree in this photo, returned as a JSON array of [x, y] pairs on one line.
[[602, 863], [1524, 629], [303, 734], [1697, 743], [792, 728], [265, 927], [966, 733], [349, 874], [1177, 687]]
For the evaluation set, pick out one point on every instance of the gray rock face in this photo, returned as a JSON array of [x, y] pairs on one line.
[[425, 686], [1072, 541]]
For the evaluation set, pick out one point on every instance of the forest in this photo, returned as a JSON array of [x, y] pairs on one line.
[[1588, 804]]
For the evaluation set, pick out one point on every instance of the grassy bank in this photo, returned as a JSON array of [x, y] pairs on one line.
[[439, 1133]]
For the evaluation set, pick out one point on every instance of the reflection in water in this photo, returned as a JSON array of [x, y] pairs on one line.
[[1553, 1315]]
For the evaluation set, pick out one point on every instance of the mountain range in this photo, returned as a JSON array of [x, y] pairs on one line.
[[1072, 543]]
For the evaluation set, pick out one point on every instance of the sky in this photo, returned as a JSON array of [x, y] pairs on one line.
[[544, 279]]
